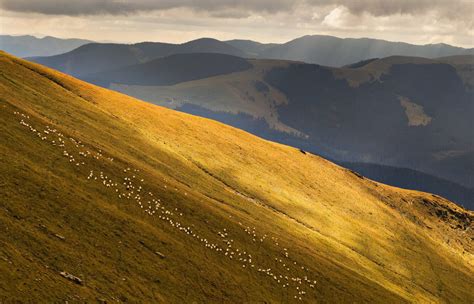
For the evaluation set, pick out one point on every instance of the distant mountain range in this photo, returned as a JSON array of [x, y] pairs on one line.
[[99, 57], [336, 52], [27, 46], [323, 50]]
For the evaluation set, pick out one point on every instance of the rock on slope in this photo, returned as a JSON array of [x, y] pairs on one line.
[[107, 198]]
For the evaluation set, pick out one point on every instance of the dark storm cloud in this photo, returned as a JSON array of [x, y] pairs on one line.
[[237, 8]]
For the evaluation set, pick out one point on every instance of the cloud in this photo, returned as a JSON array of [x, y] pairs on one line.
[[125, 7], [332, 13], [240, 8], [456, 10], [338, 17]]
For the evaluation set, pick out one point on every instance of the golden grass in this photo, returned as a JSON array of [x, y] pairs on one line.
[[360, 240]]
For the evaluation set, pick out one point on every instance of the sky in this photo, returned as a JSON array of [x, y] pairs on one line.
[[412, 21]]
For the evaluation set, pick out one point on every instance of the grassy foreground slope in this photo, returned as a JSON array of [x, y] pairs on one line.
[[106, 198]]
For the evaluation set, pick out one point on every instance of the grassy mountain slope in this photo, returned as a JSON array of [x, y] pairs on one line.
[[142, 203], [27, 46]]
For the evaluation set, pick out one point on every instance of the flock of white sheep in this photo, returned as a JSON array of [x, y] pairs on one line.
[[132, 188]]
